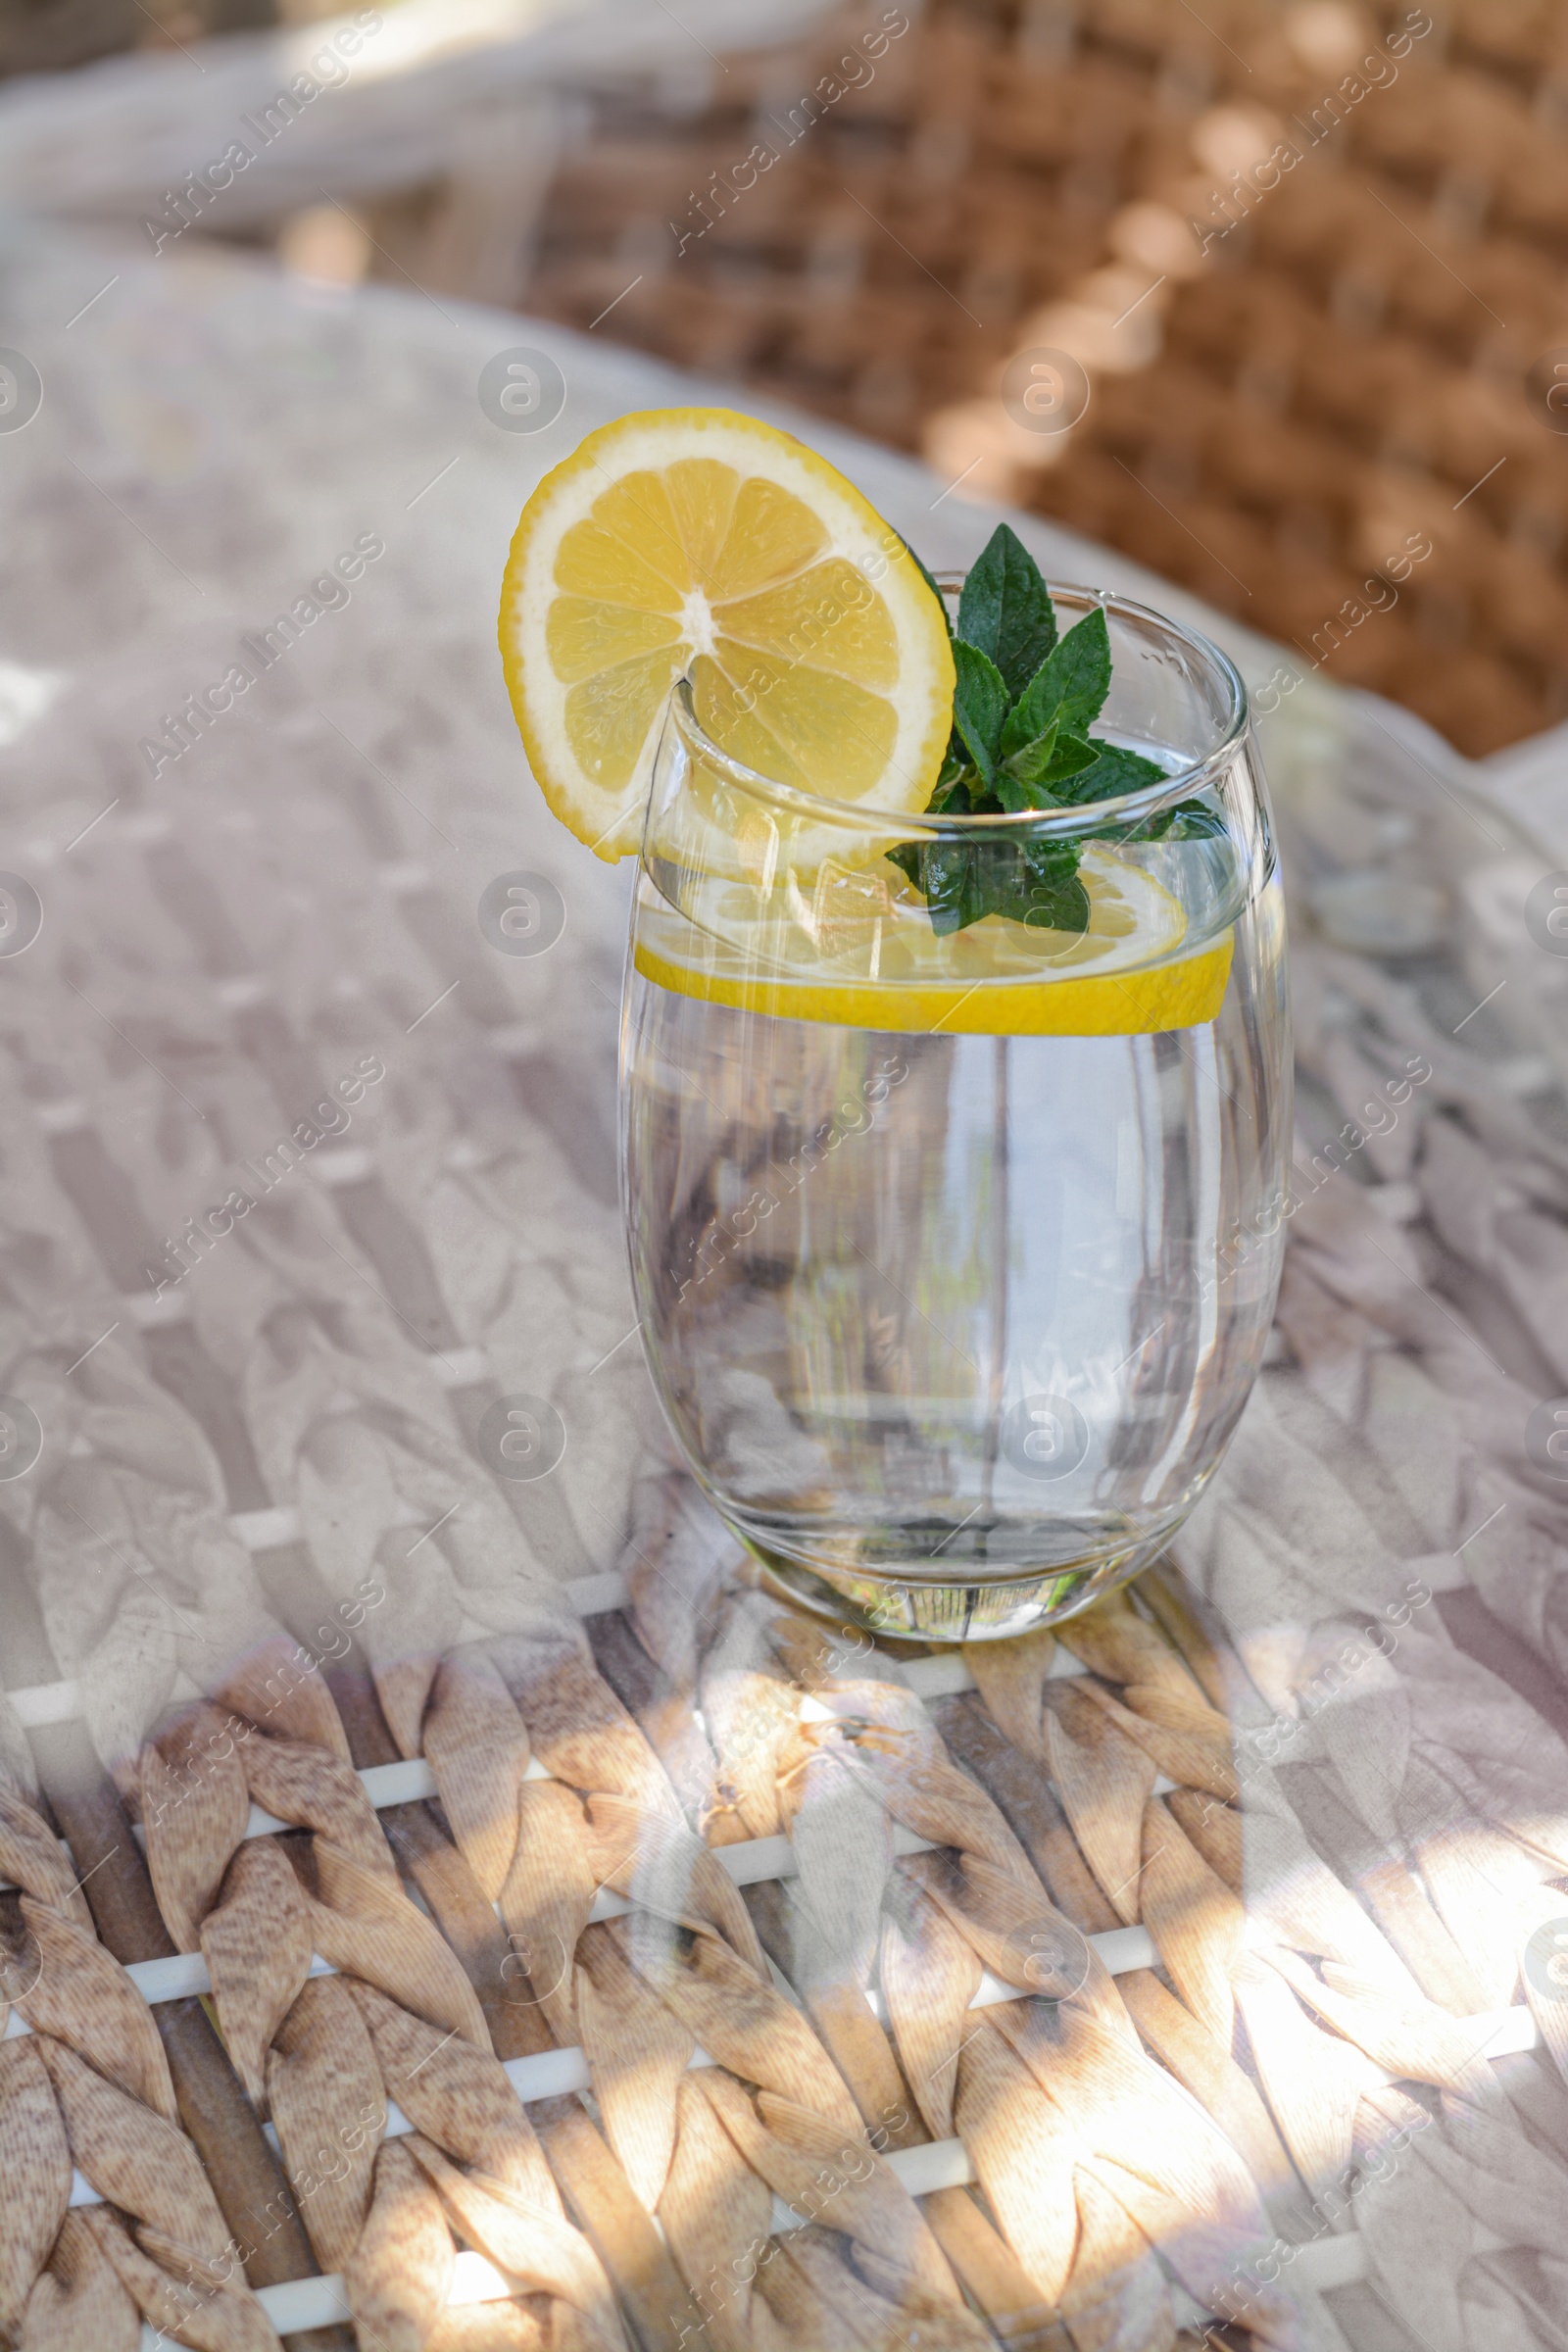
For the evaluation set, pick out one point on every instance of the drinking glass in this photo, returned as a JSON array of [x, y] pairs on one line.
[[956, 1256]]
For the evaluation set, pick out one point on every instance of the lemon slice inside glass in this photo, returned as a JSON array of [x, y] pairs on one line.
[[700, 543], [861, 951]]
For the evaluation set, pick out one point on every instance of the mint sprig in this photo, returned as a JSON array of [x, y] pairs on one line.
[[1004, 609], [1022, 704]]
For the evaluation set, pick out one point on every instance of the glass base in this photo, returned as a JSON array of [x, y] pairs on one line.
[[918, 1608]]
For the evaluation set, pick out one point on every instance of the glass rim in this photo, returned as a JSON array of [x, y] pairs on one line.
[[1032, 823]]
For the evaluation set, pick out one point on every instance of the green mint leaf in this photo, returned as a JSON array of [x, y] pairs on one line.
[[1015, 792], [958, 793], [954, 892], [909, 857], [979, 705], [1113, 771], [1073, 754], [1030, 761], [946, 618], [1051, 758], [1050, 895], [1070, 686], [1033, 883], [1005, 608], [1059, 903], [1036, 884], [1189, 820]]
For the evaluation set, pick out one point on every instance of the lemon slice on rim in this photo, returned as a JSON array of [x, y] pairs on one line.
[[862, 953], [698, 542]]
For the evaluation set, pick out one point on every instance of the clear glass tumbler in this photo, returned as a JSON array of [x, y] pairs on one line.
[[956, 1256]]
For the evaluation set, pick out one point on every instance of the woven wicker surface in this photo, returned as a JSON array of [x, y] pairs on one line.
[[1328, 364], [585, 1934]]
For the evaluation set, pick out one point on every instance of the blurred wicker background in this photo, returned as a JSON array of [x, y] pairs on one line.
[[45, 36], [1360, 361]]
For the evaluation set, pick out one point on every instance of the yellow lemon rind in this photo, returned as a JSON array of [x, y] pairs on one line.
[[1177, 996]]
